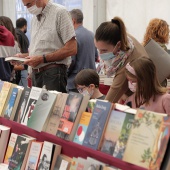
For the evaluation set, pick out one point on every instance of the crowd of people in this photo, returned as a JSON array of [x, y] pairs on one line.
[[62, 54]]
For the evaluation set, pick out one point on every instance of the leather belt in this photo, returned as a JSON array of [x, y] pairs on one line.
[[48, 67]]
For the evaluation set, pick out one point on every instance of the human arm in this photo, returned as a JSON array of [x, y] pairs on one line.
[[119, 86]]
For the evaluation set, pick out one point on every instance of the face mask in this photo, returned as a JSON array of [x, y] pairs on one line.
[[85, 92], [35, 10], [132, 86], [107, 56]]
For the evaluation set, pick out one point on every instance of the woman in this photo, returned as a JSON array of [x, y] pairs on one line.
[[7, 74], [143, 81], [117, 48], [158, 30]]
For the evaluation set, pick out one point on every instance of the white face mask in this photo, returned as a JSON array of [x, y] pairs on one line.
[[132, 86], [85, 92], [35, 10]]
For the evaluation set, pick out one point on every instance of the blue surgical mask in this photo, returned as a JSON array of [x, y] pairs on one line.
[[107, 56]]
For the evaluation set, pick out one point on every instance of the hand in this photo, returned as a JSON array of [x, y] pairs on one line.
[[34, 60], [21, 55]]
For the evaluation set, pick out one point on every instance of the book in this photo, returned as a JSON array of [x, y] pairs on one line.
[[42, 110], [70, 112], [34, 154], [10, 148], [74, 163], [154, 51], [3, 166], [4, 136], [82, 127], [91, 105], [22, 104], [32, 100], [18, 59], [56, 113], [82, 108], [47, 154], [96, 128], [17, 100], [63, 162], [1, 84], [20, 152], [145, 139], [11, 102]]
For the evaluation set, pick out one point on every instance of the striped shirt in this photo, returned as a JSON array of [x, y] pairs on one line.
[[52, 32]]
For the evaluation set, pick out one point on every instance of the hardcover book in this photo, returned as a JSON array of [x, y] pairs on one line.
[[10, 148], [11, 102], [96, 128], [34, 154], [145, 139], [56, 113], [82, 127], [22, 104], [32, 100], [42, 110], [4, 136], [70, 112]]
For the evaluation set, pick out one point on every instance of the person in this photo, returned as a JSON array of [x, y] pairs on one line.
[[42, 165], [87, 82], [21, 29], [86, 52], [143, 81], [117, 48], [9, 47], [52, 42], [157, 30]]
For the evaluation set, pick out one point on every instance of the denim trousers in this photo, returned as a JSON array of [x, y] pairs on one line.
[[53, 78]]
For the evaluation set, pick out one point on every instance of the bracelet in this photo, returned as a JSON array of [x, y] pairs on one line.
[[44, 58]]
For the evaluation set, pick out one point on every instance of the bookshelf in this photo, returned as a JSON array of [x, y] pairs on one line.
[[69, 148]]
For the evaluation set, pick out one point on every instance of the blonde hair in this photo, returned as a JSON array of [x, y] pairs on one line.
[[158, 30]]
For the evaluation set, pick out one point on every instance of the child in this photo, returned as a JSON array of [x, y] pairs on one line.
[[148, 93], [87, 82]]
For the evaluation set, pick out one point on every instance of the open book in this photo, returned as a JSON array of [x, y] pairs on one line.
[[18, 59]]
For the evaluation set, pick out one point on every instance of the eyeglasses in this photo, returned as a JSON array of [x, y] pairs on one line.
[[80, 89]]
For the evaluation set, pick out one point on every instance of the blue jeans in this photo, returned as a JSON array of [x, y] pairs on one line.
[[53, 78], [23, 80]]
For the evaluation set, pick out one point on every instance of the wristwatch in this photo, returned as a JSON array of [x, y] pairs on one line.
[[44, 58]]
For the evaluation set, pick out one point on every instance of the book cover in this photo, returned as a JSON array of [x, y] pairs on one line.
[[82, 127], [124, 135], [11, 102], [74, 163], [20, 90], [10, 147], [96, 128], [144, 138], [70, 112], [34, 154], [22, 104], [32, 100], [63, 162], [91, 105], [1, 84], [19, 153], [4, 95], [113, 131], [3, 166], [56, 113], [4, 136], [42, 110], [46, 156]]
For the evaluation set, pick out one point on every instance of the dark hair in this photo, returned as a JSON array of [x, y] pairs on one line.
[[20, 22], [77, 15], [112, 32], [148, 85], [44, 157], [5, 21], [87, 77]]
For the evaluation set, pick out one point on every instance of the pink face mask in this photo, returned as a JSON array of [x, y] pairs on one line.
[[132, 86]]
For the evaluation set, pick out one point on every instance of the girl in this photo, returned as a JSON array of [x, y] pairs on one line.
[[143, 81]]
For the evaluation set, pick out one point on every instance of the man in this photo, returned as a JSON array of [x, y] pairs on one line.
[[21, 72], [86, 54], [42, 165], [52, 42]]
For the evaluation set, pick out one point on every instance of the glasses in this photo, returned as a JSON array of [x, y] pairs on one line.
[[80, 89]]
